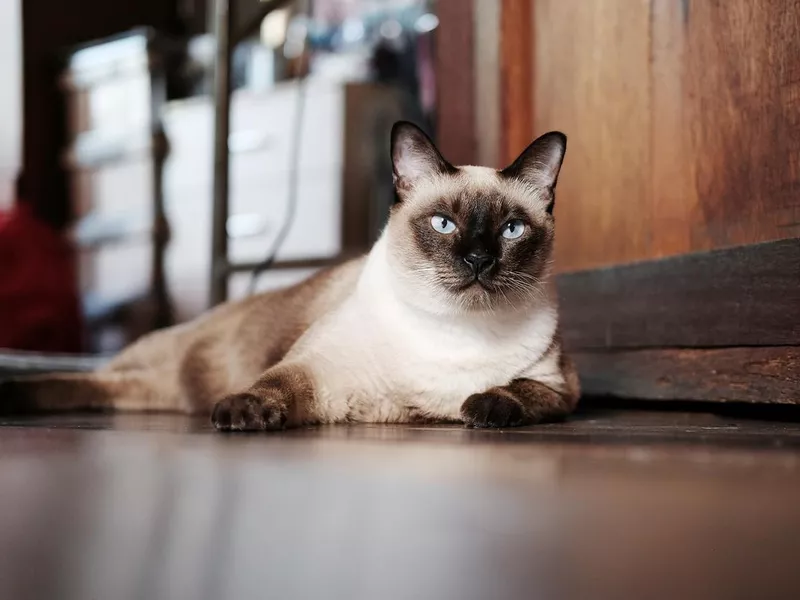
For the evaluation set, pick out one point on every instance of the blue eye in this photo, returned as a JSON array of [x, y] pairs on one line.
[[513, 229], [442, 224]]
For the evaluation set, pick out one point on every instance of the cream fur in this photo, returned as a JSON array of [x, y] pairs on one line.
[[379, 339], [379, 356]]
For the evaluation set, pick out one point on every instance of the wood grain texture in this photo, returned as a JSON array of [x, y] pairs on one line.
[[748, 295], [683, 120], [743, 100], [158, 507], [456, 131], [516, 77], [488, 83], [673, 200], [768, 375], [591, 72]]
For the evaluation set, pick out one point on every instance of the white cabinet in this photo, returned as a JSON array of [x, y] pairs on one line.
[[344, 179]]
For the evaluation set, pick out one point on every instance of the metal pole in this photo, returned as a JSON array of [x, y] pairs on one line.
[[222, 89], [163, 316]]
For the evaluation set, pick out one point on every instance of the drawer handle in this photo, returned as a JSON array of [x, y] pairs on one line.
[[97, 229], [246, 225], [240, 142]]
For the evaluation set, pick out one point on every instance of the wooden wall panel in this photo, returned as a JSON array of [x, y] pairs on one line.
[[456, 131], [488, 87], [591, 73], [683, 120], [672, 198], [742, 82], [516, 78]]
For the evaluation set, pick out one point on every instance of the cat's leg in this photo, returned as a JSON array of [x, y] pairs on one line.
[[525, 401], [283, 396], [102, 390]]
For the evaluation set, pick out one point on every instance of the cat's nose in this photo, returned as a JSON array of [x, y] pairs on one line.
[[479, 262]]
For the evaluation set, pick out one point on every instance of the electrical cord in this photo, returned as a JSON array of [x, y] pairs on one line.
[[294, 180], [291, 202]]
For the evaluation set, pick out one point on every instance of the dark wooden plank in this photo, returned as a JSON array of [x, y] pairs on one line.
[[743, 296], [768, 375]]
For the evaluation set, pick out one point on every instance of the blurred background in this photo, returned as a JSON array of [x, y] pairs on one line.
[[107, 159], [678, 267], [682, 119]]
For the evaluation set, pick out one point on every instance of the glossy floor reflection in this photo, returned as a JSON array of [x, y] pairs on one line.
[[610, 505]]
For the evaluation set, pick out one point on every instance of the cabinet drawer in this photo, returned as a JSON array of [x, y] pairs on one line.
[[117, 271], [258, 206], [317, 224], [116, 104], [262, 133], [118, 189]]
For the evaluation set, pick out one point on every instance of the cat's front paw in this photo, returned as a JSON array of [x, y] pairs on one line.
[[490, 409], [248, 412]]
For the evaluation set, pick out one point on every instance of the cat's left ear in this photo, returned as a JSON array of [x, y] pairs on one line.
[[540, 163]]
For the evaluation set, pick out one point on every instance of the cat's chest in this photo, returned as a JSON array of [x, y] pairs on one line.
[[443, 358], [380, 366]]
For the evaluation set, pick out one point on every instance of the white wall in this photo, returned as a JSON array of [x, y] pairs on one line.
[[10, 97]]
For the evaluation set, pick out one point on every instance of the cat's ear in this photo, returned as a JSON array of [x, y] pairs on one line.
[[540, 162], [414, 157]]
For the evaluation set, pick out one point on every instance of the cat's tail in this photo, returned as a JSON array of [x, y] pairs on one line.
[[103, 390]]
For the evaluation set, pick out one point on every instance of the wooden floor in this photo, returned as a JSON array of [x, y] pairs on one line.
[[612, 504]]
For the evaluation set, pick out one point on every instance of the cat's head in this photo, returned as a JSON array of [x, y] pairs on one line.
[[472, 238]]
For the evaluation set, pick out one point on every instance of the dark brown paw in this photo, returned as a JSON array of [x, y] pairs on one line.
[[247, 412], [492, 410]]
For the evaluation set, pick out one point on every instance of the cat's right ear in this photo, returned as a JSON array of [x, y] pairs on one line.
[[414, 157]]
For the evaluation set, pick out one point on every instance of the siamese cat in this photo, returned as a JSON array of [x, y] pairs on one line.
[[451, 317]]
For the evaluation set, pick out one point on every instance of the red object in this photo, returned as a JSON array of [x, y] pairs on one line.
[[39, 306]]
